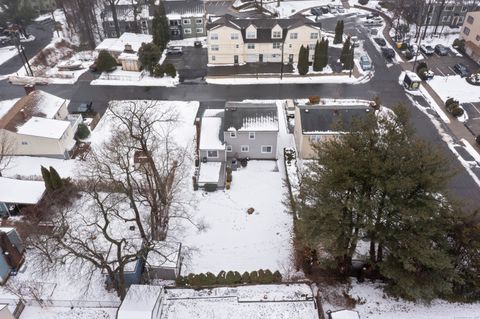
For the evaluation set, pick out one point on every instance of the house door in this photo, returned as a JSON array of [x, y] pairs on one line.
[[260, 58], [290, 58], [235, 59]]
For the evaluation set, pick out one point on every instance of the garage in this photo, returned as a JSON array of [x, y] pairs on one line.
[[275, 58], [252, 58]]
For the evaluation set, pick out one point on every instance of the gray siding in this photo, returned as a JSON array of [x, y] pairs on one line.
[[255, 145], [221, 156], [4, 268]]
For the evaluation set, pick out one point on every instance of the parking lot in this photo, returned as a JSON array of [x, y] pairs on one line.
[[443, 65], [473, 123], [191, 64]]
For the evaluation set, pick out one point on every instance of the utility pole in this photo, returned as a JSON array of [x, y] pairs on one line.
[[420, 38], [281, 66], [21, 52], [352, 47]]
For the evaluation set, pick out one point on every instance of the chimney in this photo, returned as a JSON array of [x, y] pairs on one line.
[[128, 48], [29, 88]]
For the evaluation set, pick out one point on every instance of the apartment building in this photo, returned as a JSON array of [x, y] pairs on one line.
[[238, 41], [470, 32]]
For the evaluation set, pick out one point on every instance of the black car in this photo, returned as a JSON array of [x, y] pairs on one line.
[[380, 41], [461, 69], [388, 53], [441, 49], [198, 44]]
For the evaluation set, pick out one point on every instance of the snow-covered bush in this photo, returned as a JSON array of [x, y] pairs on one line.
[[363, 2]]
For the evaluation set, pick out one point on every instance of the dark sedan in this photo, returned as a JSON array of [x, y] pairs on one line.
[[441, 49], [461, 69], [380, 41]]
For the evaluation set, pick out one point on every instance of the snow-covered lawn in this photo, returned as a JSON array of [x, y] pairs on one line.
[[234, 240], [131, 78], [374, 305], [297, 79], [6, 53], [289, 8], [32, 312], [456, 87]]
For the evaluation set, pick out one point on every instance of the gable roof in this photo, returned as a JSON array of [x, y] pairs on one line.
[[318, 119], [250, 117], [21, 191], [39, 126], [264, 26]]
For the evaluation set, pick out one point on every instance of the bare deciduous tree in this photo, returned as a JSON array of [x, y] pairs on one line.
[[7, 149]]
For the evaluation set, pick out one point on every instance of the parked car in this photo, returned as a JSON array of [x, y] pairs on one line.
[[325, 9], [373, 15], [388, 53], [380, 41], [373, 23], [427, 49], [354, 40], [340, 9], [198, 44], [332, 7], [461, 69], [82, 107], [365, 63], [174, 50], [317, 11], [441, 49]]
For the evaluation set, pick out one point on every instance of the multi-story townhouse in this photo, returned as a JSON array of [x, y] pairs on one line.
[[239, 41], [470, 32], [186, 19]]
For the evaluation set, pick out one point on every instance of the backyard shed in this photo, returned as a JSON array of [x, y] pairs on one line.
[[11, 252], [15, 193], [142, 302], [164, 262]]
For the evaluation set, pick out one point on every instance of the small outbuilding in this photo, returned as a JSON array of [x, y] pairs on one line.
[[343, 314], [11, 253], [15, 194], [142, 302]]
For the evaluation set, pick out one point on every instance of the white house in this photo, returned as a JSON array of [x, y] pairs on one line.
[[125, 49], [238, 41], [39, 124]]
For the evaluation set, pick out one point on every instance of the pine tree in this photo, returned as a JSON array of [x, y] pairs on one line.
[[317, 56], [303, 61], [338, 32], [325, 53], [105, 62], [345, 51], [55, 179], [382, 183], [46, 178], [160, 30], [148, 56]]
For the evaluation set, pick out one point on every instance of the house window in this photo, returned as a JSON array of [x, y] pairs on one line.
[[214, 47], [470, 19], [251, 46], [244, 149], [466, 30], [311, 47], [446, 18], [199, 30], [266, 149], [213, 58], [236, 46], [234, 36], [313, 35], [24, 143], [173, 22], [460, 20], [276, 34], [276, 45], [251, 35], [198, 21], [294, 35], [448, 8], [214, 36], [290, 45], [229, 148], [477, 38], [233, 134], [251, 135], [464, 9], [187, 31], [212, 154], [187, 21]]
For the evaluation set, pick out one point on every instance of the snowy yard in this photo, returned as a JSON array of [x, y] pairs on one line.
[[289, 8], [341, 78], [456, 87], [132, 78], [234, 240], [6, 53], [32, 312]]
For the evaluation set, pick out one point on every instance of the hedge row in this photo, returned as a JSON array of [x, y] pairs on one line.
[[230, 278]]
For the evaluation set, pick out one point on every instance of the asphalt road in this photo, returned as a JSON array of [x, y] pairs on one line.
[[384, 84]]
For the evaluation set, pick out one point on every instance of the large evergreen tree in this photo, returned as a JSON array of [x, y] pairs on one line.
[[105, 61], [382, 183], [303, 60], [345, 51], [338, 32], [160, 30], [325, 54], [149, 55], [317, 56]]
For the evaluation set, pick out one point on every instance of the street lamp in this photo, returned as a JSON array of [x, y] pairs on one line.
[[281, 66]]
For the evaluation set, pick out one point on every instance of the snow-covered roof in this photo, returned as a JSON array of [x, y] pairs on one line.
[[128, 56], [209, 172], [140, 302], [118, 44], [413, 76], [344, 314], [6, 105], [293, 301], [210, 134], [43, 127], [20, 191], [164, 255], [46, 103], [241, 116]]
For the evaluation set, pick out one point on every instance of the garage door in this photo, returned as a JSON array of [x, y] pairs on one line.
[[275, 58], [252, 58]]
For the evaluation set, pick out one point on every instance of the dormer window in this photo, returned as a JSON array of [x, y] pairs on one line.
[[276, 34], [251, 35]]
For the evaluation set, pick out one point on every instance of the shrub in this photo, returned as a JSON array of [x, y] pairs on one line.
[[244, 162], [314, 99], [181, 281], [237, 277], [221, 277], [170, 70], [229, 174], [422, 65], [268, 277], [246, 275], [211, 279], [106, 62], [228, 185], [148, 56], [82, 132], [277, 277], [254, 277], [408, 55], [451, 105], [478, 139], [459, 44], [363, 2], [230, 278], [159, 71], [190, 279], [458, 111]]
